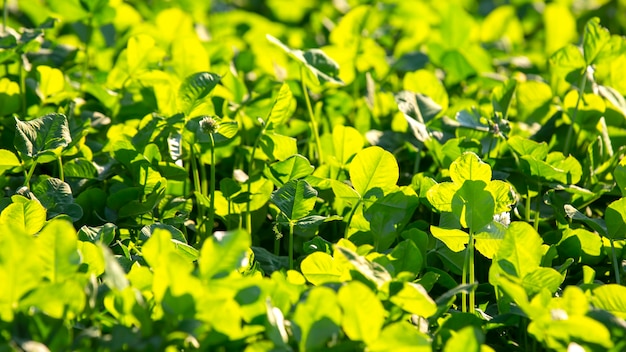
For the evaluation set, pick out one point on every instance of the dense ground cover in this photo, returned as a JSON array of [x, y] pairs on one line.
[[307, 175]]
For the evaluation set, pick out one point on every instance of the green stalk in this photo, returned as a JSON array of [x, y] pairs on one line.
[[538, 210], [349, 218], [464, 280], [472, 277], [212, 189], [291, 226], [30, 174], [570, 131], [527, 206], [249, 188], [5, 16], [61, 173], [23, 86], [618, 276], [314, 126], [197, 187]]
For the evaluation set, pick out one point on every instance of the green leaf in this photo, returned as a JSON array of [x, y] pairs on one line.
[[358, 323], [293, 168], [295, 199], [469, 339], [178, 239], [374, 169], [598, 225], [401, 336], [405, 256], [60, 300], [56, 196], [540, 279], [319, 268], [620, 176], [454, 239], [594, 39], [615, 217], [440, 196], [10, 101], [412, 298], [8, 160], [277, 146], [469, 167], [44, 134], [23, 215], [317, 319], [418, 110], [223, 253], [320, 65], [522, 146], [473, 205], [283, 107], [194, 89], [18, 271], [612, 298], [489, 238], [346, 143], [520, 252], [57, 249], [372, 271]]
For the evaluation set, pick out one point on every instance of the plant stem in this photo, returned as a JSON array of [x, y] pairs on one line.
[[527, 207], [197, 188], [212, 189], [291, 226], [464, 280], [23, 84], [61, 173], [30, 174], [570, 131], [472, 277], [5, 16], [538, 210], [616, 266], [314, 126], [349, 218]]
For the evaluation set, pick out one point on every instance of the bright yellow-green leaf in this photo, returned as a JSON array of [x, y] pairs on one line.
[[454, 239], [359, 323]]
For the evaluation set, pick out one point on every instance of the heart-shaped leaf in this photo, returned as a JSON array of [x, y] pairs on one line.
[[615, 217]]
